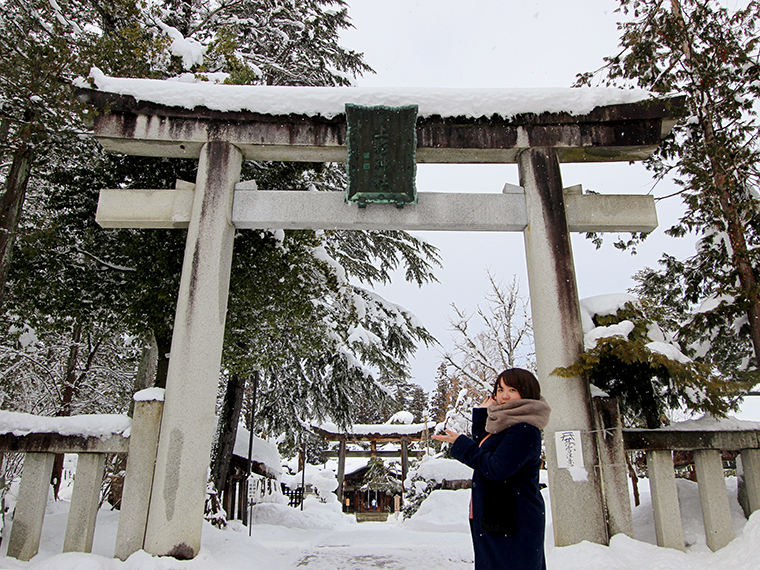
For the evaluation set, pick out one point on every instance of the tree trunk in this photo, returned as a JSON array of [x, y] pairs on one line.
[[226, 430], [67, 395], [11, 203], [162, 364], [146, 370]]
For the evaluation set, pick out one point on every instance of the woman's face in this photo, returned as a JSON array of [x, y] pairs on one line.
[[506, 393]]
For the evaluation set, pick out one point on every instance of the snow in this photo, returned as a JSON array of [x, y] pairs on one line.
[[149, 394], [437, 536], [102, 426], [669, 350], [325, 482], [377, 429], [189, 50], [711, 423], [330, 101], [603, 305], [402, 417], [262, 452], [623, 328], [439, 468]]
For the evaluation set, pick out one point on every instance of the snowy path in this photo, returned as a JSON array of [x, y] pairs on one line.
[[379, 545], [319, 538]]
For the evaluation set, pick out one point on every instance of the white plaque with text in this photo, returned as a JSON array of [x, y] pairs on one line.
[[569, 449]]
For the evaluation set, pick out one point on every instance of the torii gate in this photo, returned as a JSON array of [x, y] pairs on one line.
[[403, 434], [152, 125]]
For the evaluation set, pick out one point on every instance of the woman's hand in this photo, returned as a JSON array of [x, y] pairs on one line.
[[448, 437], [487, 402]]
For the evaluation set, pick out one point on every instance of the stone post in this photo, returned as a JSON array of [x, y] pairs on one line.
[[614, 470], [716, 513], [30, 505], [576, 501], [749, 481], [667, 511], [177, 500], [341, 469], [138, 481], [80, 526]]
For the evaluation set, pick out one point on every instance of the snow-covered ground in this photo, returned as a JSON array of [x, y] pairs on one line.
[[321, 538]]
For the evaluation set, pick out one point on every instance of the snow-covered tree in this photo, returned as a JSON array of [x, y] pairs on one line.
[[298, 314], [381, 478], [630, 357], [708, 53]]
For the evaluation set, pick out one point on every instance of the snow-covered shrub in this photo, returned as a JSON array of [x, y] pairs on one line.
[[213, 512], [426, 476], [402, 417], [324, 483]]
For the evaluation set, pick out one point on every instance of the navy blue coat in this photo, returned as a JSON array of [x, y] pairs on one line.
[[508, 513]]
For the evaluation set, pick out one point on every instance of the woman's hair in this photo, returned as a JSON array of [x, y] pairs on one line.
[[521, 380]]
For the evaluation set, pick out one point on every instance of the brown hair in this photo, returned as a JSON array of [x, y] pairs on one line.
[[522, 380]]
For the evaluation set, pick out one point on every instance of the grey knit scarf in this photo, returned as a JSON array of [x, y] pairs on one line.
[[503, 416]]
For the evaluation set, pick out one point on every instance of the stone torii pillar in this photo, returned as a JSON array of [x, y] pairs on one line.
[[539, 208], [189, 418]]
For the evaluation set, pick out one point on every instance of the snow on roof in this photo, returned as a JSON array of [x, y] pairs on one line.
[[263, 452], [709, 422], [377, 429], [87, 425], [330, 101]]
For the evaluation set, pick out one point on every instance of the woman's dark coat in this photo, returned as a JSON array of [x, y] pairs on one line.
[[508, 513]]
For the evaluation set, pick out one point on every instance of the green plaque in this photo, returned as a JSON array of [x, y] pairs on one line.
[[381, 142]]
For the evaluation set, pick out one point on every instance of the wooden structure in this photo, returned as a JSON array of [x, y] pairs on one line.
[[125, 121], [234, 496], [374, 434], [356, 500]]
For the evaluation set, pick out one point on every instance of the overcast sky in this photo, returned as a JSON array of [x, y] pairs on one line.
[[494, 43]]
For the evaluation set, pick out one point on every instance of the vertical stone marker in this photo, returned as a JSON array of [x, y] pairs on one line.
[[577, 505], [175, 518]]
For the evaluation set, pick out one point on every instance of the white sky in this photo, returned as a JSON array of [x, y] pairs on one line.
[[493, 43]]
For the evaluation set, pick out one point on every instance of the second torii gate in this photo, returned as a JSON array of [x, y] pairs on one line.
[[142, 120], [403, 435]]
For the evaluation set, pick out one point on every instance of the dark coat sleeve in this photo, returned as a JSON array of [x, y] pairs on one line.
[[479, 417], [517, 446]]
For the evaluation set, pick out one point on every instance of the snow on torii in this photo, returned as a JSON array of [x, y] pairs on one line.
[[222, 125]]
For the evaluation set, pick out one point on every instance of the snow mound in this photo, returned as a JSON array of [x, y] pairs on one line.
[[315, 516], [263, 451], [709, 422], [439, 468], [623, 328], [442, 511], [149, 394], [669, 350], [401, 417], [325, 482]]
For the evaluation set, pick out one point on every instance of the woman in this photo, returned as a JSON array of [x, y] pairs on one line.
[[507, 513]]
